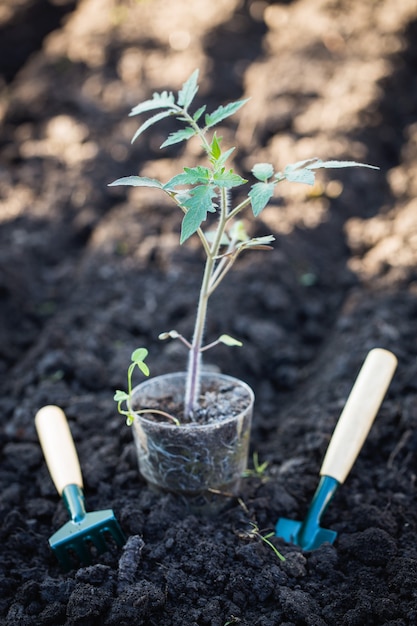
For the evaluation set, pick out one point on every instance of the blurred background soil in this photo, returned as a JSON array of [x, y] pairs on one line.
[[88, 273]]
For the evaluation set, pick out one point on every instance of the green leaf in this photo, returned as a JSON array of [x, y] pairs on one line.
[[138, 357], [301, 164], [191, 222], [263, 171], [228, 179], [260, 194], [338, 164], [215, 148], [178, 136], [198, 205], [152, 120], [301, 172], [178, 180], [190, 176], [298, 172], [188, 91], [299, 176], [229, 341], [222, 112], [139, 354], [143, 368], [159, 101], [199, 113], [120, 396], [200, 174], [137, 181], [223, 158]]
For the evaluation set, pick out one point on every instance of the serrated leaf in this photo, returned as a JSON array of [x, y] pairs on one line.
[[178, 136], [159, 101], [338, 164], [301, 172], [203, 196], [190, 176], [222, 112], [302, 164], [228, 179], [263, 171], [199, 113], [300, 176], [188, 91], [198, 174], [149, 122], [229, 341], [198, 205], [137, 181], [178, 180], [260, 194], [192, 222]]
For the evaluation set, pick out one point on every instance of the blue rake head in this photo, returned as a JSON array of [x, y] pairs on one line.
[[86, 534]]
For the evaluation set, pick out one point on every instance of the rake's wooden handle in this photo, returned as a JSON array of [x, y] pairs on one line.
[[58, 447], [359, 413]]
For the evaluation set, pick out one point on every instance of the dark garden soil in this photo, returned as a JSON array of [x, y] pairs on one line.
[[89, 273]]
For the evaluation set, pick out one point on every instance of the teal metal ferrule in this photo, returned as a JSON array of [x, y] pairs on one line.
[[73, 497], [321, 499]]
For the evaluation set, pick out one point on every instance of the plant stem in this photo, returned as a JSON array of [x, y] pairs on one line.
[[192, 389], [214, 271]]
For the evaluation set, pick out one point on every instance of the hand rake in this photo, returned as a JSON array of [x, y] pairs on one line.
[[349, 435], [86, 533]]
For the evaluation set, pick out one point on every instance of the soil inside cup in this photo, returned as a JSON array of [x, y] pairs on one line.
[[195, 459]]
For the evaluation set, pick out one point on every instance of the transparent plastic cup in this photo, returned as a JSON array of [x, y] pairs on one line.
[[201, 462]]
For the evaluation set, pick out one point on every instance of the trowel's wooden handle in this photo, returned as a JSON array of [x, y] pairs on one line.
[[58, 447], [359, 413]]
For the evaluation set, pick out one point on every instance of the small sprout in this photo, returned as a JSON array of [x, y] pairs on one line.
[[258, 470], [122, 397], [138, 359], [266, 539]]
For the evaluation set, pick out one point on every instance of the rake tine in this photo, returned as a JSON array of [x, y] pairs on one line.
[[98, 541]]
